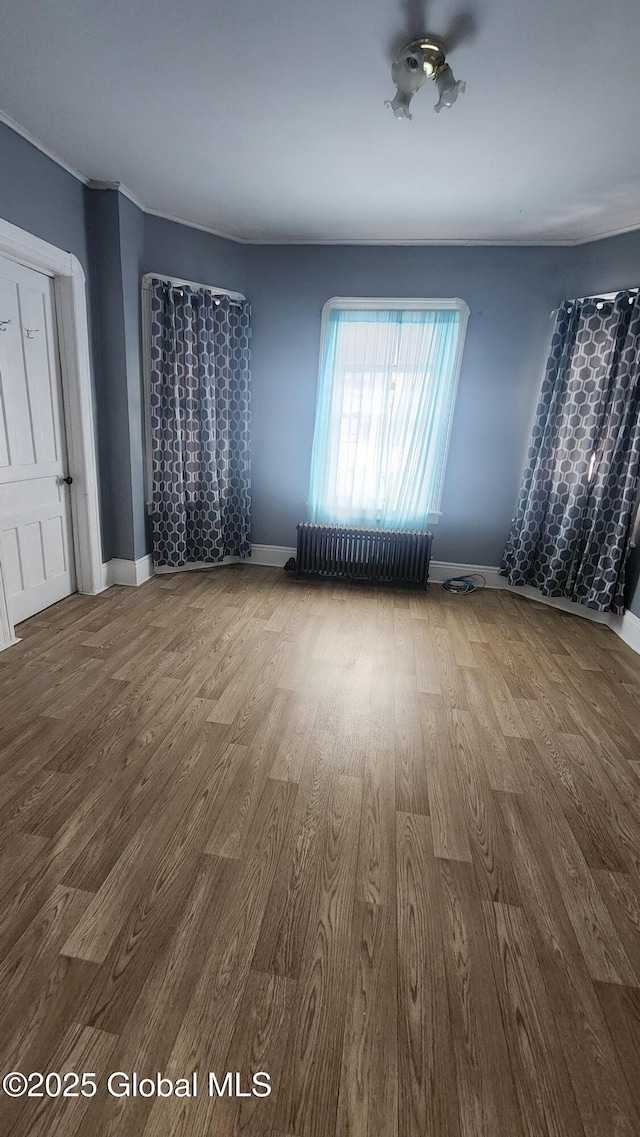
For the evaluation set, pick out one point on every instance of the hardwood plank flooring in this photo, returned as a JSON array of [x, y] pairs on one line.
[[382, 845]]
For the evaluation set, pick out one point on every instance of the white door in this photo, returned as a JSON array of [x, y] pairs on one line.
[[35, 525]]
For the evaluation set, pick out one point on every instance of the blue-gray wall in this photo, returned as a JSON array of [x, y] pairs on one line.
[[115, 243], [115, 231], [178, 250], [510, 291], [41, 197], [131, 259], [107, 341]]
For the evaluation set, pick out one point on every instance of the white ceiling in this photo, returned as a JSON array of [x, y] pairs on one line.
[[266, 121]]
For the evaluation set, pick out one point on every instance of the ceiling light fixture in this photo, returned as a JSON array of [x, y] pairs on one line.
[[419, 60]]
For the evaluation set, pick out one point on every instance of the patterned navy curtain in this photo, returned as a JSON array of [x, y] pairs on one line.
[[199, 422], [570, 535]]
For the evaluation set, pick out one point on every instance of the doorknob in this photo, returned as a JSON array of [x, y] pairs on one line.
[[68, 480], [3, 324]]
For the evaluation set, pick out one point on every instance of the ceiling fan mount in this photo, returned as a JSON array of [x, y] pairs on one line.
[[421, 59], [433, 52]]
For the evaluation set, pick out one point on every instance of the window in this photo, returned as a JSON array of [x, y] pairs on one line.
[[386, 390]]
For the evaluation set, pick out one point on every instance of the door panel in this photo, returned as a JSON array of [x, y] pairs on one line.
[[11, 565], [35, 530], [41, 377]]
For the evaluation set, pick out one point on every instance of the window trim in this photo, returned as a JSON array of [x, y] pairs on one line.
[[369, 303]]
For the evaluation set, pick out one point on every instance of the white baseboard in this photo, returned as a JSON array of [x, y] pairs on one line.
[[136, 572], [130, 573], [9, 643], [561, 603], [271, 556], [275, 556], [442, 570], [197, 566], [628, 628]]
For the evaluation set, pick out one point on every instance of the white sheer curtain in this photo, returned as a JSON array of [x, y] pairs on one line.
[[385, 396]]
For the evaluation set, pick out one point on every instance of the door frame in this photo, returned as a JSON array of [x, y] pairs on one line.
[[72, 331]]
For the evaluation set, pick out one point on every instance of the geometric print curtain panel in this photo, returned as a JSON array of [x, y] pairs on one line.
[[571, 532], [199, 424]]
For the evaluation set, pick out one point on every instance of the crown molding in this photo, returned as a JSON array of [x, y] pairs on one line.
[[409, 242], [605, 235], [406, 242], [207, 229], [119, 187], [29, 137]]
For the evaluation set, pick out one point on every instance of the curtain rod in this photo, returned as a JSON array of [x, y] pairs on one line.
[[178, 281], [602, 295], [599, 297]]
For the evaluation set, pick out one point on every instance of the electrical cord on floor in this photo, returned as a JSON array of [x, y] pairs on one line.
[[462, 585]]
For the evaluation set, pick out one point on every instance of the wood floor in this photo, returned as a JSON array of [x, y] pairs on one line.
[[381, 845]]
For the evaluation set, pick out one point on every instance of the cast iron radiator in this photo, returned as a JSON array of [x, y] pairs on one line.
[[384, 555]]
